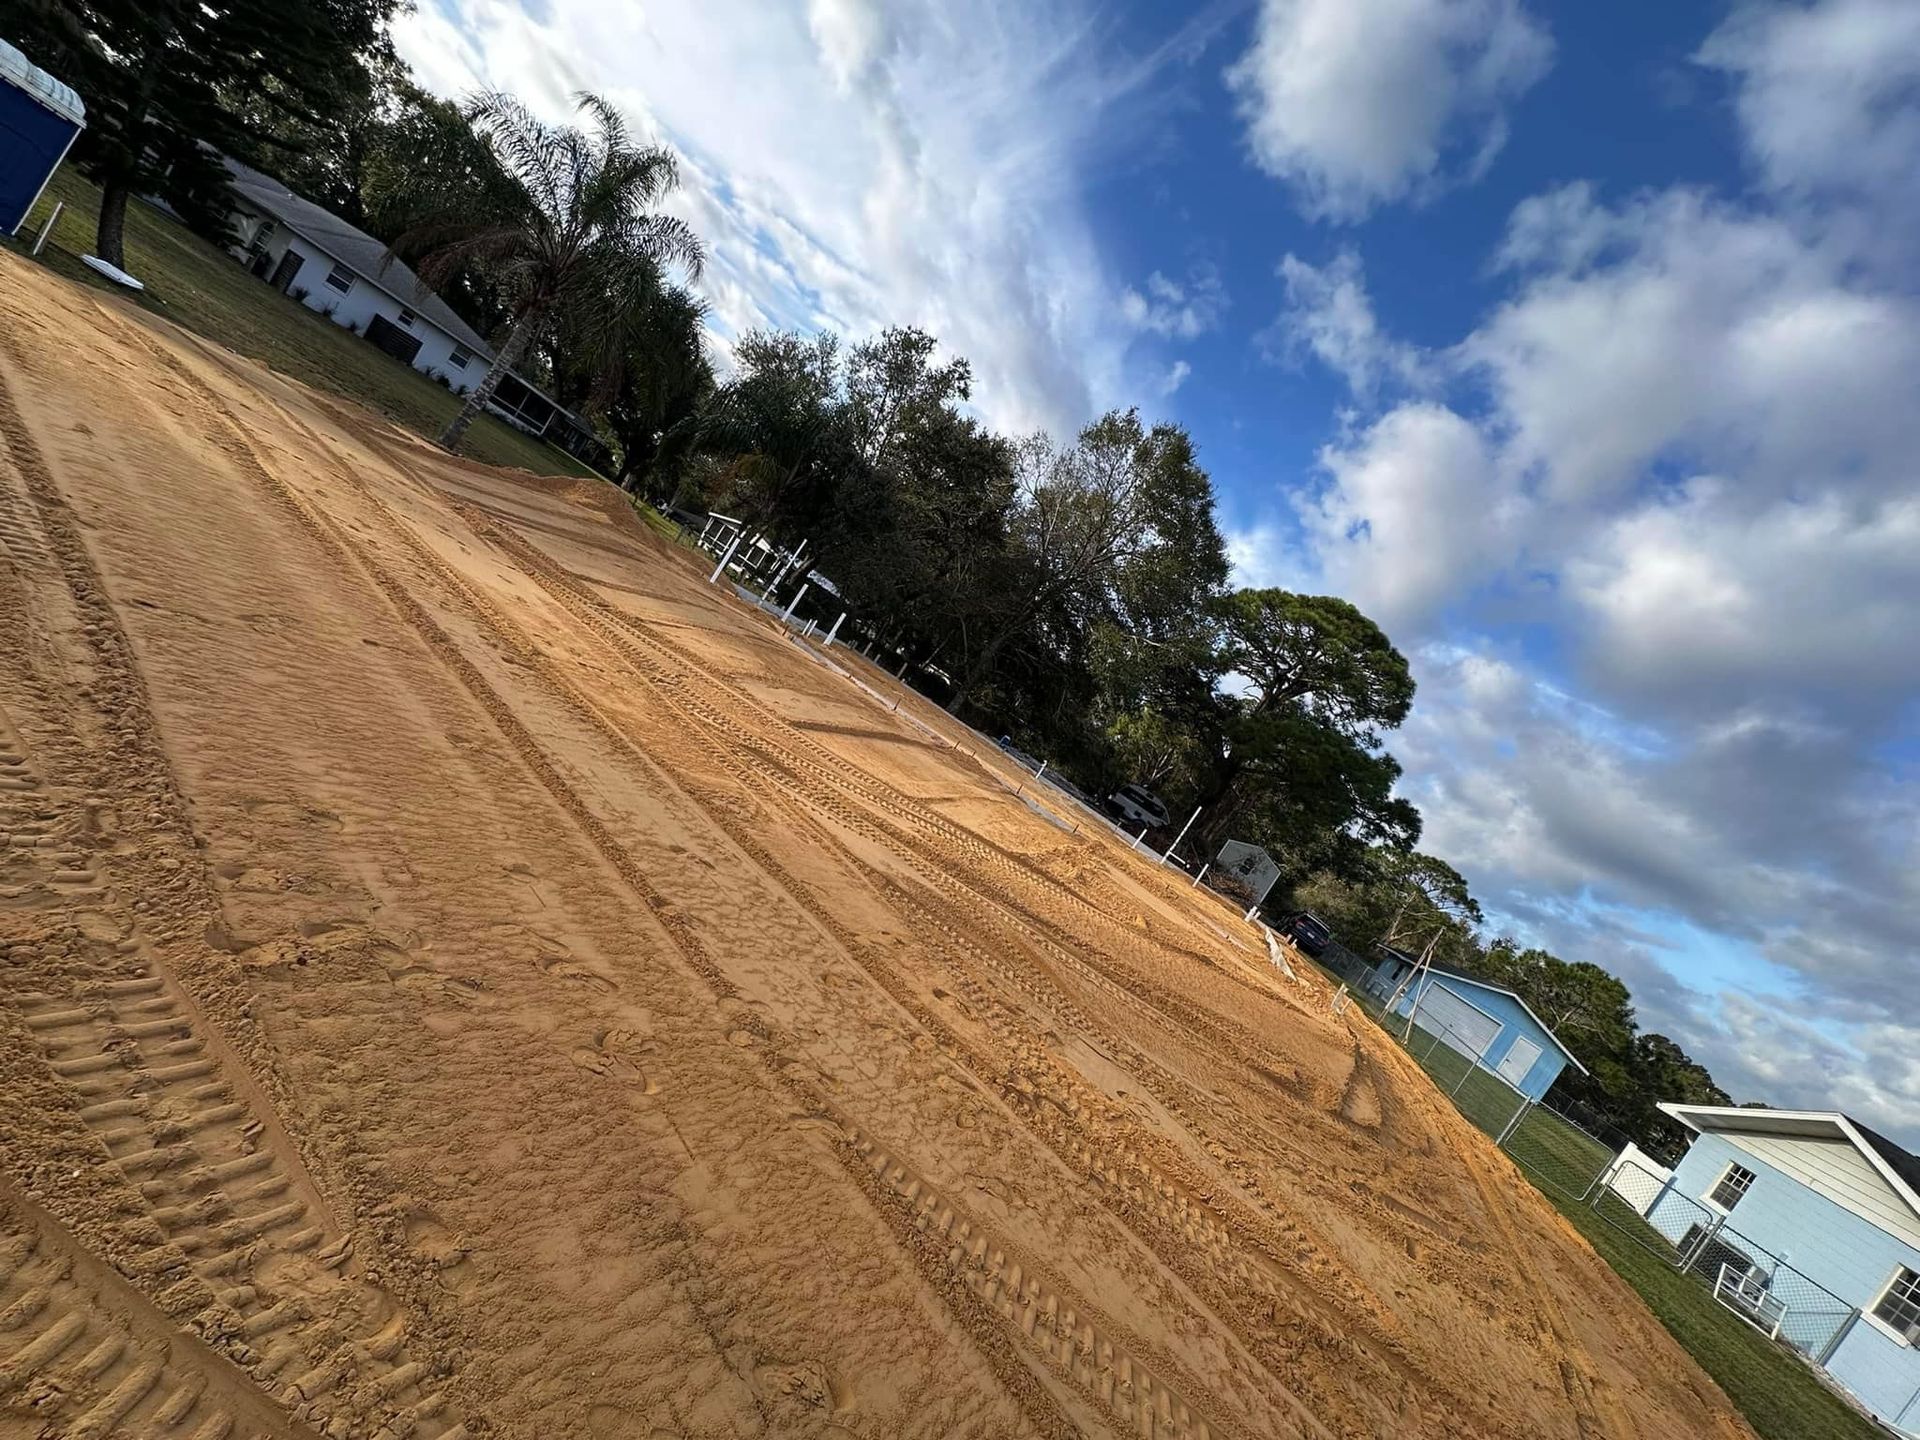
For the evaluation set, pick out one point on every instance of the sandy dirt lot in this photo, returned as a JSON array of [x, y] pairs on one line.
[[462, 976]]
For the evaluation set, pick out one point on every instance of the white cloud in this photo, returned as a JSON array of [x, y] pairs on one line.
[[1829, 93], [1676, 327], [1175, 377], [1329, 315], [1696, 599], [1176, 309], [850, 35], [853, 165], [1361, 102], [1413, 504], [1796, 864]]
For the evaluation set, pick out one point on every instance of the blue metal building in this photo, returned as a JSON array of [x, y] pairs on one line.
[[1817, 1218], [39, 120], [1488, 1024]]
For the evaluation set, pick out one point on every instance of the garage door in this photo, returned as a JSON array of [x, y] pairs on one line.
[[1455, 1021]]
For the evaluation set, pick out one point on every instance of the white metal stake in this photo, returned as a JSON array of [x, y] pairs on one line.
[[47, 229], [715, 577], [792, 560], [810, 626], [1041, 773], [827, 644], [1182, 835], [1202, 875], [1138, 838], [788, 614]]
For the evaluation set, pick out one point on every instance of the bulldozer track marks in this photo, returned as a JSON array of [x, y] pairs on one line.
[[1065, 1337], [82, 1351], [175, 1114], [1042, 1417]]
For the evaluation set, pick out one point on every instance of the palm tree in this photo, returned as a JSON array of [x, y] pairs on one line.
[[572, 235]]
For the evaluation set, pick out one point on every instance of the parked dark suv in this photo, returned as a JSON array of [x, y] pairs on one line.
[[1307, 930]]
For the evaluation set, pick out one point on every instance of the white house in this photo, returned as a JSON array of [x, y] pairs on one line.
[[344, 273], [1813, 1222]]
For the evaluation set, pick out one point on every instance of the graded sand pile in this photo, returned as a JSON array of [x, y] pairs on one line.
[[460, 975]]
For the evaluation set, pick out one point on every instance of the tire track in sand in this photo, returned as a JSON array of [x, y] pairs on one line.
[[1150, 1193], [1042, 1414], [175, 1111], [88, 1356]]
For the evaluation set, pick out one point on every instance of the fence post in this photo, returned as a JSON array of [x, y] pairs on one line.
[[787, 614], [1826, 1353], [1182, 835], [1202, 875], [827, 644], [715, 576], [1514, 1124], [47, 229], [1479, 1062]]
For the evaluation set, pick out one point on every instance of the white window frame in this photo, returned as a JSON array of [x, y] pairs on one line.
[[1899, 1337], [407, 317], [1721, 1179], [334, 285], [460, 357]]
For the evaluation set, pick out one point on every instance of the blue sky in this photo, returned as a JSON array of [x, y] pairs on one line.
[[1577, 343]]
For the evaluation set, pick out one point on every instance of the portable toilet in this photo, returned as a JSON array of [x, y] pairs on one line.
[[39, 118]]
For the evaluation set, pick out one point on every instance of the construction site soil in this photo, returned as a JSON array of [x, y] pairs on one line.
[[461, 975]]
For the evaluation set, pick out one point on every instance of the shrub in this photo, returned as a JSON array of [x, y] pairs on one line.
[[299, 293]]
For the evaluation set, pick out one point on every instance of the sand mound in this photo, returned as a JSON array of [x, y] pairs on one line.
[[460, 975]]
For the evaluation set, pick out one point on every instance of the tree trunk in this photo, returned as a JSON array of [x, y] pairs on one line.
[[109, 241], [509, 356]]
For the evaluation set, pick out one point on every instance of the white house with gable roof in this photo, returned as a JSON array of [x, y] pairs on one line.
[[328, 265]]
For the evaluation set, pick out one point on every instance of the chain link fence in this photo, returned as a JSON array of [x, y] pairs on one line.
[[1568, 1150]]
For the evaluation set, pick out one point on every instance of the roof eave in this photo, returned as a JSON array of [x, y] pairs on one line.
[[1842, 1127]]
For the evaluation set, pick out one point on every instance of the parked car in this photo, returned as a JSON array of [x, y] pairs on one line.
[[1308, 931], [1137, 805]]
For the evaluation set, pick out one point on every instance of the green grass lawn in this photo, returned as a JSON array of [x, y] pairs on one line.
[[203, 289], [1775, 1391]]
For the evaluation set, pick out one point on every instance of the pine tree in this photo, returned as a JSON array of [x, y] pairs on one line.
[[171, 84]]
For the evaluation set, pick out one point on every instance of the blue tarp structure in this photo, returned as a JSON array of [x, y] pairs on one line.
[[39, 118]]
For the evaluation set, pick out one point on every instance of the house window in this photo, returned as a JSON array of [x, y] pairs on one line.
[[1899, 1305], [340, 278], [264, 233], [1733, 1184], [458, 359], [406, 316]]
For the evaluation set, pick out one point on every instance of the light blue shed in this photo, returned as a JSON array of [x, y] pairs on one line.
[[1822, 1215], [1486, 1023]]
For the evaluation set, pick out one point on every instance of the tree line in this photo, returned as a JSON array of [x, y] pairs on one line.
[[1072, 593]]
